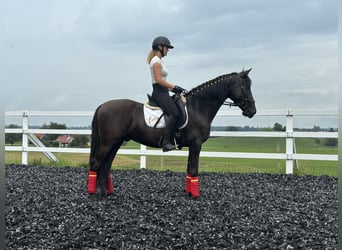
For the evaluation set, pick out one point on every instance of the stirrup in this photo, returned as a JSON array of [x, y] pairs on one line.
[[176, 145]]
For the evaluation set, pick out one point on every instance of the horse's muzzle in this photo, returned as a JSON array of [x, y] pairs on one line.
[[249, 112]]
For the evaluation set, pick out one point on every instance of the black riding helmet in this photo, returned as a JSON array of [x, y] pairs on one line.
[[163, 41]]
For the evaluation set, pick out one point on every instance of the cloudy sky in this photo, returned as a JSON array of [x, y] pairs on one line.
[[74, 55]]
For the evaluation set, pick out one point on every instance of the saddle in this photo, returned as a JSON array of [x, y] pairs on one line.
[[156, 118]]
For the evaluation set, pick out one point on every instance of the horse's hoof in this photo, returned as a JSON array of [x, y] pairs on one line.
[[187, 193], [197, 198]]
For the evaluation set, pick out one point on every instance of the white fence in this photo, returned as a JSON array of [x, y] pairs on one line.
[[289, 156]]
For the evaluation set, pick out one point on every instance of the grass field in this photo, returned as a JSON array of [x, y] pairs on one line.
[[219, 144]]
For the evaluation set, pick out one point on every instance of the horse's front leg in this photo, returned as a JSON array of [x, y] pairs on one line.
[[192, 185]]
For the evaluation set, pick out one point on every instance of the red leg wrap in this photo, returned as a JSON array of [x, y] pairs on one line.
[[188, 184], [110, 189], [194, 187], [92, 182]]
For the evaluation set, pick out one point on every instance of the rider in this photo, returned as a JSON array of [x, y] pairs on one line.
[[160, 94]]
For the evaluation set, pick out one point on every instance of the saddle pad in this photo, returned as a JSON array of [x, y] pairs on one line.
[[152, 115]]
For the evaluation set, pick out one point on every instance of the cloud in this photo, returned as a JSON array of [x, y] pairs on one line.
[[77, 54]]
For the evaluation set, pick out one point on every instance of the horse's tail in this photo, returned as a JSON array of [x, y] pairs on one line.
[[94, 138], [93, 166]]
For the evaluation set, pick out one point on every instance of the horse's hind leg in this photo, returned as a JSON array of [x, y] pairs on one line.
[[97, 162], [103, 162], [108, 179]]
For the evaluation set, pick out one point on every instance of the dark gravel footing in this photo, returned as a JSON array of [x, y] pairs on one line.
[[48, 208]]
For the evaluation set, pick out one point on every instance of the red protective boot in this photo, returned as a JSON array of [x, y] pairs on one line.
[[92, 182], [194, 187], [188, 184]]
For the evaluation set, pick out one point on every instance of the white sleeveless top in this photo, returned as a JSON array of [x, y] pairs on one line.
[[154, 60]]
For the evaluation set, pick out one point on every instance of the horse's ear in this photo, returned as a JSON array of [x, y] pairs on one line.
[[245, 72]]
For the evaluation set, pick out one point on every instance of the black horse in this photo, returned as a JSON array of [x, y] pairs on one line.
[[117, 121]]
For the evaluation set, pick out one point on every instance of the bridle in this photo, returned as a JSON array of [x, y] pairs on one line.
[[242, 102]]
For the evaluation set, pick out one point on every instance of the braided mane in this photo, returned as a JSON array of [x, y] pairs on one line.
[[209, 85]]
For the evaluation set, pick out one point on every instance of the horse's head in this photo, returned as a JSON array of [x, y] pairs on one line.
[[242, 94]]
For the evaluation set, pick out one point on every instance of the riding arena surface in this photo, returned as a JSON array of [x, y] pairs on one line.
[[49, 208]]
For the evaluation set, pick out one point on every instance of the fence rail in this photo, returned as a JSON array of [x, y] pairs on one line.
[[289, 156]]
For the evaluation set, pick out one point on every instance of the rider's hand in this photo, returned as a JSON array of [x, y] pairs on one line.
[[178, 90]]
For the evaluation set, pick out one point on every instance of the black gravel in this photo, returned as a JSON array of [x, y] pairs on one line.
[[49, 208]]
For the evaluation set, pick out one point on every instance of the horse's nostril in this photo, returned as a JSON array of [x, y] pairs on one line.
[[252, 114]]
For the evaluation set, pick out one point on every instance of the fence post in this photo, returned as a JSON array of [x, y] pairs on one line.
[[289, 141], [24, 154], [142, 156]]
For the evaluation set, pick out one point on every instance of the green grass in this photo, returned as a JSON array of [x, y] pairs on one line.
[[241, 144], [207, 164]]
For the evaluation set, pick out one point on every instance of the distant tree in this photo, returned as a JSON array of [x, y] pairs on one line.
[[79, 141], [247, 128], [316, 128], [54, 125], [12, 138], [231, 128], [278, 127]]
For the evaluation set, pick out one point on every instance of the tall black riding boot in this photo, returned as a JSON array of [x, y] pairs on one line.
[[168, 133]]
